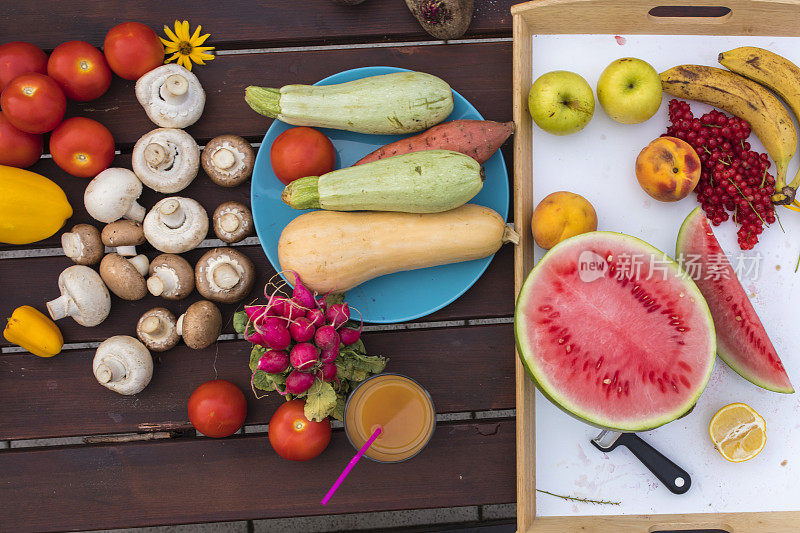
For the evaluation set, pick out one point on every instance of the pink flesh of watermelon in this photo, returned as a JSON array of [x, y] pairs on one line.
[[742, 341], [629, 354]]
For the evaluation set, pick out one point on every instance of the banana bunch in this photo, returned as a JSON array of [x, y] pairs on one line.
[[741, 91]]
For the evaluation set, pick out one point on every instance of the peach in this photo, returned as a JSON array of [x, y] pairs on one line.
[[668, 169], [561, 215]]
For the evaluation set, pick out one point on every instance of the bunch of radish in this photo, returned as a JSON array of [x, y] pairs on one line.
[[302, 335]]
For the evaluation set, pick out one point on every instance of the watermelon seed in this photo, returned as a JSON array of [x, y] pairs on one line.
[[607, 381], [738, 318], [561, 340], [569, 348], [599, 362], [681, 329]]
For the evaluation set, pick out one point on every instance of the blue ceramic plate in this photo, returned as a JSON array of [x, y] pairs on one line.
[[395, 297]]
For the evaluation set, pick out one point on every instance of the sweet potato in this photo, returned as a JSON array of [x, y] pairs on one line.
[[478, 139]]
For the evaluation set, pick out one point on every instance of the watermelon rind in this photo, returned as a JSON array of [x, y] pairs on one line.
[[525, 350], [692, 223]]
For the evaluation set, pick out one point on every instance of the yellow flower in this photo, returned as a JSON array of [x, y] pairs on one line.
[[185, 48]]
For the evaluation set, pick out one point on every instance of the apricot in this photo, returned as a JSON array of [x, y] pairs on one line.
[[668, 169], [562, 215]]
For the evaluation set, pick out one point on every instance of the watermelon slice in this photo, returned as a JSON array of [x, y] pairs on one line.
[[613, 332], [742, 341]]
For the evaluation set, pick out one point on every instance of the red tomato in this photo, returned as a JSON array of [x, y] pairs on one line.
[[17, 148], [300, 152], [82, 146], [217, 408], [20, 58], [80, 69], [295, 437], [33, 103], [132, 49]]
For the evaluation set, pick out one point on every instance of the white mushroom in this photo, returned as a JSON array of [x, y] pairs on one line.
[[200, 325], [125, 277], [123, 364], [224, 275], [83, 244], [228, 160], [171, 96], [156, 329], [166, 160], [176, 225], [232, 221], [171, 277], [124, 235], [84, 297], [112, 195]]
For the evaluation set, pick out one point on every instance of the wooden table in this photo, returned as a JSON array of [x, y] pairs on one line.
[[467, 367]]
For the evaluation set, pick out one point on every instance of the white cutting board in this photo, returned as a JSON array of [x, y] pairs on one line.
[[598, 163]]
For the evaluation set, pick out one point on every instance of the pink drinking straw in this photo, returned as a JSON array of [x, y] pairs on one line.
[[350, 466]]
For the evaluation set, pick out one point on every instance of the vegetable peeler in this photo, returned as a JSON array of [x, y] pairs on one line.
[[675, 478]]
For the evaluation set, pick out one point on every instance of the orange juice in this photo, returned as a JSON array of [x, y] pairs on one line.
[[400, 406]]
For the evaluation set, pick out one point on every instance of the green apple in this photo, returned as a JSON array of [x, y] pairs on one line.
[[629, 90], [561, 102]]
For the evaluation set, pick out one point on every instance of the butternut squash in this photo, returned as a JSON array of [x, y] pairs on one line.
[[31, 206], [335, 251]]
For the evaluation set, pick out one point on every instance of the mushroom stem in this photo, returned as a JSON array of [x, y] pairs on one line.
[[179, 325], [172, 214], [176, 85], [126, 251], [223, 159], [153, 326], [158, 156], [141, 263], [229, 222], [163, 280], [135, 212], [110, 370], [72, 245], [225, 276], [62, 306]]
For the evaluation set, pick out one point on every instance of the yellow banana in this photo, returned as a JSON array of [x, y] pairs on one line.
[[746, 99], [779, 75]]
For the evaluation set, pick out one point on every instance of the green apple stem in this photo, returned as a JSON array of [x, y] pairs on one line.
[[577, 105]]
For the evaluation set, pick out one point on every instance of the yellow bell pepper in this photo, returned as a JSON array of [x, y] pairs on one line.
[[31, 206], [32, 330]]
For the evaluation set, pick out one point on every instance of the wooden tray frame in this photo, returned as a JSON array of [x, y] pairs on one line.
[[747, 17]]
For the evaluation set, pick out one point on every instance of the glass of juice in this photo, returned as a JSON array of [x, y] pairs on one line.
[[403, 410]]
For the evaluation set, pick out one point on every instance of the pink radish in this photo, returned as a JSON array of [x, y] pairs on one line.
[[301, 295], [302, 330], [326, 337], [337, 315], [274, 362], [298, 382], [255, 312], [277, 337], [329, 355], [256, 337], [328, 372], [277, 306], [322, 304], [316, 317], [349, 336], [304, 356], [292, 310]]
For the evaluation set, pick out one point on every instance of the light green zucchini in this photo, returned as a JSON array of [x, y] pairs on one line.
[[397, 103], [420, 182]]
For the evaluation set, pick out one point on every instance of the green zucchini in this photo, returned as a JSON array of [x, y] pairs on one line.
[[420, 182], [397, 103]]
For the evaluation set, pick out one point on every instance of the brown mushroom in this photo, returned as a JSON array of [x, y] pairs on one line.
[[200, 325], [171, 277], [157, 329], [228, 160], [233, 221], [124, 235], [224, 275], [125, 277], [82, 244]]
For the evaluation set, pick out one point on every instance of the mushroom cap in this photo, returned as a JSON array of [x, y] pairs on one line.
[[164, 108], [87, 292], [200, 325], [122, 277], [157, 329], [224, 275], [233, 221], [131, 357], [123, 233], [82, 244], [233, 153], [166, 159], [111, 194], [171, 277], [186, 236]]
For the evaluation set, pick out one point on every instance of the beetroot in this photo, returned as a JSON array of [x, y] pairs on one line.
[[304, 356], [337, 315], [316, 317], [326, 337], [349, 336], [328, 372], [302, 330], [298, 382], [274, 362], [329, 355], [301, 295]]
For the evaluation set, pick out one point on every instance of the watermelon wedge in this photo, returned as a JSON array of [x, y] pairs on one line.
[[613, 332], [742, 341]]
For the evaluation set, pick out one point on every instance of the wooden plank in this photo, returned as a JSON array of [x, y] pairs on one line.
[[241, 23], [196, 480], [464, 368]]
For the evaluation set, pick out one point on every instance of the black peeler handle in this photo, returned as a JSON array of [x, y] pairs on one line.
[[675, 478]]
